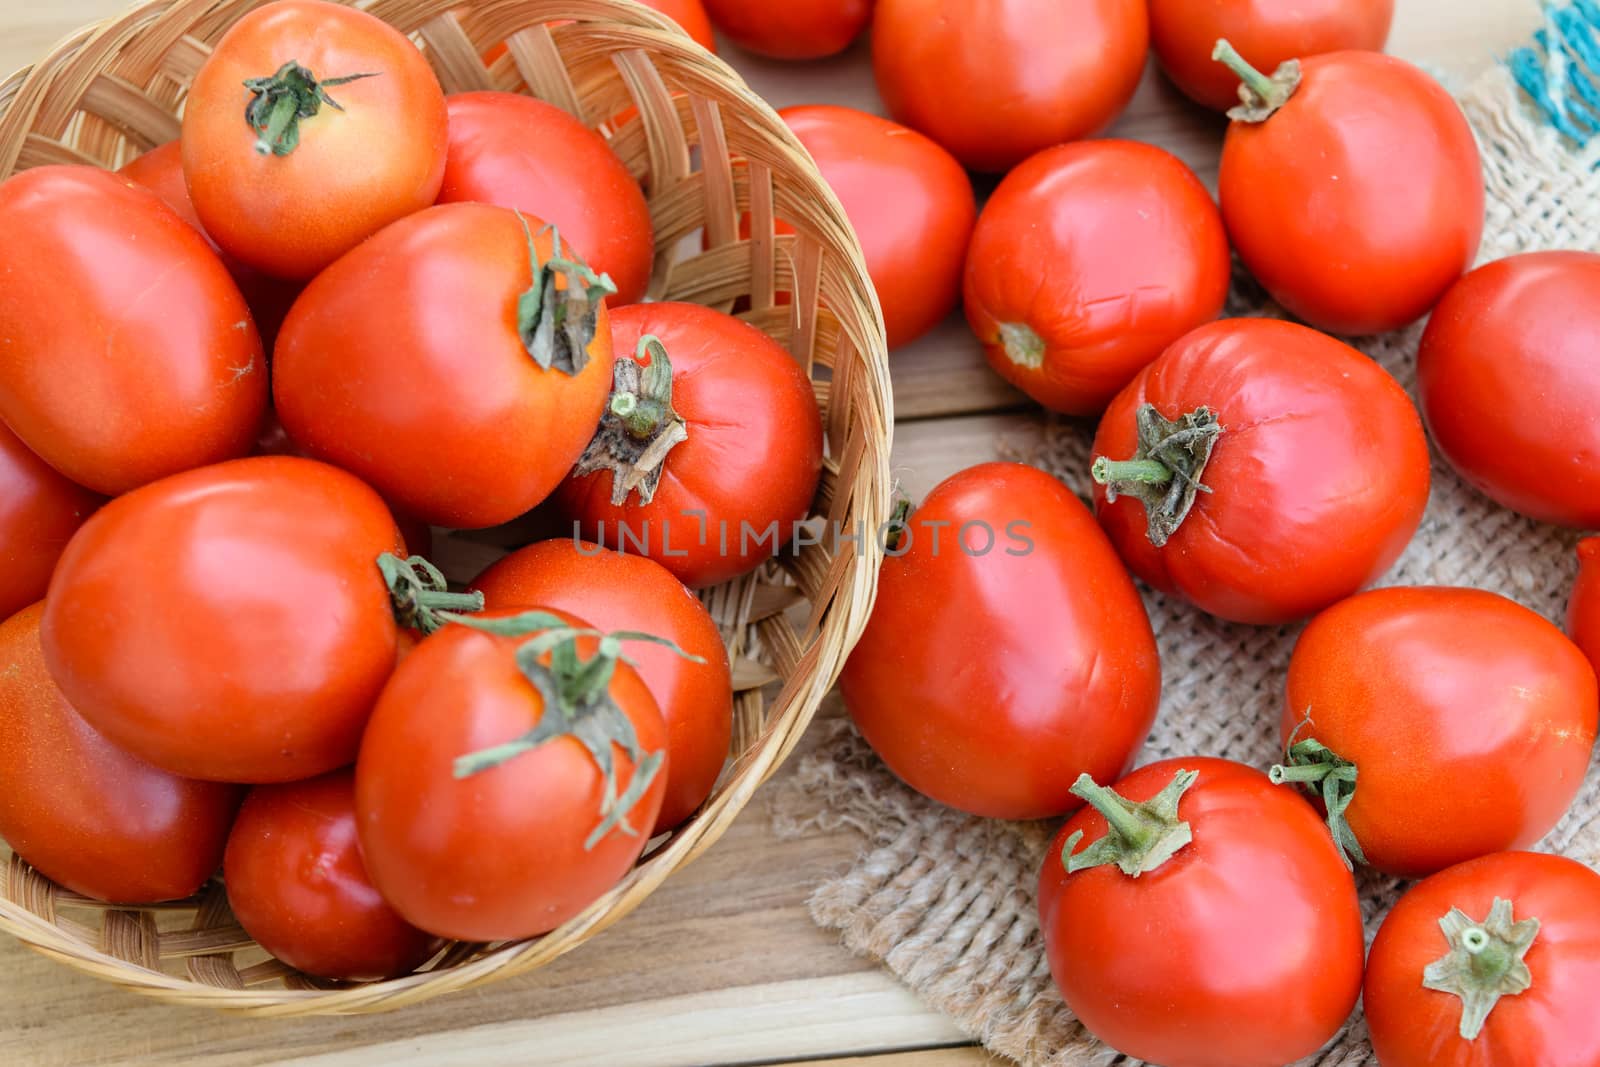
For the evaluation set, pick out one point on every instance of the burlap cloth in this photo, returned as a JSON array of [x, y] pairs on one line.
[[946, 901]]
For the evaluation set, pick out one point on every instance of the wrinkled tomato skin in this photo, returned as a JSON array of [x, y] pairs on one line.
[[1388, 159], [518, 152], [1255, 922], [751, 462], [375, 159], [229, 623], [39, 511], [1583, 608], [129, 353], [996, 82], [990, 682], [1109, 251], [1508, 383], [402, 363], [298, 886], [909, 202], [498, 855], [87, 815], [1550, 1024], [1318, 480], [796, 29], [1470, 720], [615, 591], [1266, 32]]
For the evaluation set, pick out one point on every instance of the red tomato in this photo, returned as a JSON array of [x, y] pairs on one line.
[[310, 127], [981, 704], [1358, 199], [748, 449], [88, 815], [229, 623], [796, 29], [1232, 939], [297, 884], [1583, 610], [1087, 262], [514, 844], [996, 82], [621, 592], [909, 202], [430, 362], [161, 171], [1506, 948], [1508, 383], [690, 15], [1445, 723], [522, 153], [39, 511], [1266, 32], [130, 354], [1314, 456]]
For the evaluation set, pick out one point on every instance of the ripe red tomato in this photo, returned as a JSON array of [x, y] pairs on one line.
[[310, 127], [523, 153], [481, 850], [1508, 383], [1468, 720], [229, 623], [1232, 939], [1008, 651], [1358, 199], [434, 362], [1492, 963], [798, 29], [691, 17], [297, 885], [1087, 262], [39, 511], [130, 352], [1583, 609], [615, 591], [996, 82], [88, 815], [1267, 33], [1314, 458], [748, 450], [910, 203]]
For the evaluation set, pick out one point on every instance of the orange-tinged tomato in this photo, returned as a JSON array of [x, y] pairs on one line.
[[794, 29], [39, 511]]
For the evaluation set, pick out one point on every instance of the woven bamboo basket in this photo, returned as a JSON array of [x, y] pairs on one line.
[[707, 151]]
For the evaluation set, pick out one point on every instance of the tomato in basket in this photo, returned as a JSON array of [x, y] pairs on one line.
[[39, 510], [794, 29]]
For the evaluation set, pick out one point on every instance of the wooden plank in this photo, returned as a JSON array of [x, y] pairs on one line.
[[962, 1056]]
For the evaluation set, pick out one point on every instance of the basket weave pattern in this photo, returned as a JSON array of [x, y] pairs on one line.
[[707, 151]]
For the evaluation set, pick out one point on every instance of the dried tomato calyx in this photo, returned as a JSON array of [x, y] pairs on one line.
[[1324, 773], [639, 426], [1485, 962], [1259, 96], [1140, 836], [419, 592], [278, 103], [1165, 470], [557, 323]]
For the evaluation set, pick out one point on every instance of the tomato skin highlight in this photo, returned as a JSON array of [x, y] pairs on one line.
[[910, 203], [86, 814], [402, 363], [1470, 720], [797, 29], [518, 152], [1507, 381], [297, 885], [1319, 478], [130, 354], [1255, 921], [1266, 33], [1380, 250], [353, 171], [989, 682], [1550, 1024], [997, 82], [229, 623], [39, 511], [500, 854], [1107, 251], [616, 591]]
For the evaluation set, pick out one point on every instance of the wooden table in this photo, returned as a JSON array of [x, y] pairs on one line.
[[722, 965]]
